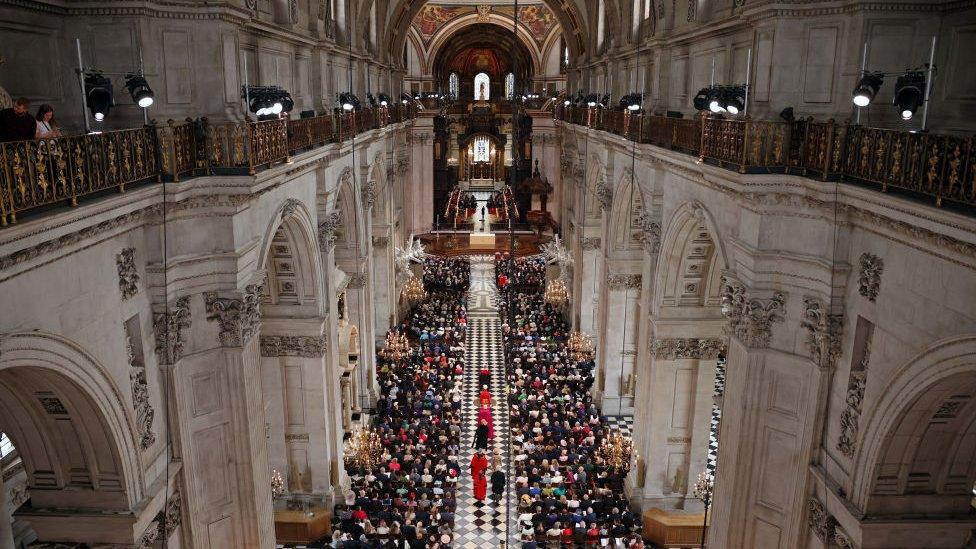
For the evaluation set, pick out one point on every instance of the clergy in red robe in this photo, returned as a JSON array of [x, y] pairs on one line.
[[485, 396], [478, 464], [480, 486]]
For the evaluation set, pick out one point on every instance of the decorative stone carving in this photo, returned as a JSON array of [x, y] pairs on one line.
[[819, 521], [380, 242], [692, 9], [53, 405], [128, 275], [695, 348], [624, 282], [484, 12], [151, 535], [174, 512], [841, 538], [856, 383], [824, 332], [18, 495], [604, 194], [303, 346], [289, 207], [357, 280], [591, 243], [240, 318], [169, 331], [293, 10], [750, 319], [649, 234], [145, 414], [368, 194], [869, 282], [251, 4], [328, 229]]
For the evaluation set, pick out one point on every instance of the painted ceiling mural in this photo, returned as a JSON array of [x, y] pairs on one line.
[[538, 19]]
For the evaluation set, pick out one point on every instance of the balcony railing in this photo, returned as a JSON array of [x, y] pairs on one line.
[[39, 173], [941, 168]]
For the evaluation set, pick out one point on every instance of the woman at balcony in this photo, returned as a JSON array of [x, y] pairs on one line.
[[47, 126]]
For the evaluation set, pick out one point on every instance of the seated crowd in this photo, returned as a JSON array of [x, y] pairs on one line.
[[447, 272], [408, 501], [565, 496], [519, 272]]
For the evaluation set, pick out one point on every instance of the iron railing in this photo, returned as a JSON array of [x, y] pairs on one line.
[[48, 172], [940, 168]]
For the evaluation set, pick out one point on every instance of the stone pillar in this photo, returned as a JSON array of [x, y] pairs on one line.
[[346, 397], [675, 413], [620, 307], [6, 526], [420, 197]]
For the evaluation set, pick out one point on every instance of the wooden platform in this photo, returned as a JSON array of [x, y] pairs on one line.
[[461, 244], [673, 528], [299, 527]]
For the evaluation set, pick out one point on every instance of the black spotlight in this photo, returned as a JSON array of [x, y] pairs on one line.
[[139, 89], [405, 98], [718, 100], [787, 114], [98, 94], [384, 100], [605, 100], [867, 87], [909, 93], [702, 98], [287, 103], [735, 99], [371, 100], [348, 101], [591, 100]]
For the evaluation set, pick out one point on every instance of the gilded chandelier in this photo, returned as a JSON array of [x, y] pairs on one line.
[[397, 345], [277, 484], [580, 345], [364, 450], [413, 291], [615, 451], [556, 294]]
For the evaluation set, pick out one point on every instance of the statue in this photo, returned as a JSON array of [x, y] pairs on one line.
[[482, 96]]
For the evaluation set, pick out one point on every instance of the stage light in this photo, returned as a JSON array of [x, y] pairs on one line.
[[567, 102], [716, 103], [909, 93], [98, 93], [384, 100], [734, 98], [348, 101], [287, 103], [867, 87], [371, 100], [139, 89], [787, 114], [701, 98], [404, 98], [592, 100]]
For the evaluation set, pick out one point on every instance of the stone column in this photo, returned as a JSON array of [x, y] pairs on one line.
[[346, 397], [420, 197], [617, 341], [6, 526]]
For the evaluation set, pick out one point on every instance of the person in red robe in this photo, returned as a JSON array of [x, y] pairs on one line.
[[485, 396], [480, 486], [485, 414], [478, 464]]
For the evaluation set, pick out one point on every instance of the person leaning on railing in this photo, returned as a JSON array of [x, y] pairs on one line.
[[16, 124], [47, 126]]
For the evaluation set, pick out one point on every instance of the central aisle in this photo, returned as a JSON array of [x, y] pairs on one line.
[[482, 524]]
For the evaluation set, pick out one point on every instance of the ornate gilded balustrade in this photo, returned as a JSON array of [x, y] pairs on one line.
[[939, 167], [40, 173]]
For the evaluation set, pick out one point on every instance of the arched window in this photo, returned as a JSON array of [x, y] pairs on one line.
[[647, 8], [637, 19], [481, 148], [452, 85], [482, 87], [509, 85]]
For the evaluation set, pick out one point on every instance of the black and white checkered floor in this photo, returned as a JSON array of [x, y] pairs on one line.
[[712, 459], [482, 524]]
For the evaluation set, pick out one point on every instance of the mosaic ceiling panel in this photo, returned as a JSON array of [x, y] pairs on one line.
[[537, 19]]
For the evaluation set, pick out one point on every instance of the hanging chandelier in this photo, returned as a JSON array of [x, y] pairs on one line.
[[615, 451], [703, 488], [364, 449], [413, 291], [580, 345], [556, 294], [277, 484], [397, 345]]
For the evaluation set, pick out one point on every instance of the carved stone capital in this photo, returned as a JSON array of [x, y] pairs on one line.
[[289, 207], [128, 274], [650, 234], [174, 512], [368, 194], [303, 346], [328, 229], [591, 243], [168, 329], [750, 318], [824, 332], [819, 521], [624, 282], [869, 281], [604, 194], [239, 318], [381, 242], [695, 348], [356, 281]]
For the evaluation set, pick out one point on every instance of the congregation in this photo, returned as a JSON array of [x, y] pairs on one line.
[[519, 272], [566, 498], [409, 500], [447, 272]]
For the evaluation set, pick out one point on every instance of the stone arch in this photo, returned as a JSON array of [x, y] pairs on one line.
[[918, 454], [595, 178], [692, 261], [291, 263], [347, 236], [69, 423], [626, 215], [445, 35]]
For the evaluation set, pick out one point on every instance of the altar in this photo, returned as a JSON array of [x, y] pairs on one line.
[[481, 240]]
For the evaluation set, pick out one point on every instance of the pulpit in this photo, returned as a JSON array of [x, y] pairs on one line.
[[302, 526], [673, 528]]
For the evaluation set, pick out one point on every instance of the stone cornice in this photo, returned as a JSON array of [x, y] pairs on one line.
[[687, 348], [301, 346]]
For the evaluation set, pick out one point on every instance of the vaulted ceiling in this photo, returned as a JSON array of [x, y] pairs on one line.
[[483, 48]]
